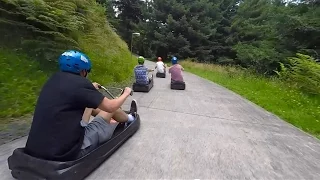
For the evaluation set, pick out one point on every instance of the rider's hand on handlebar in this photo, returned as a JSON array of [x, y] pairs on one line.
[[96, 85], [127, 91]]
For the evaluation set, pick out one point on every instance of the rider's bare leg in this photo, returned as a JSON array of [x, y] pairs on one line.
[[88, 112], [95, 112], [119, 116]]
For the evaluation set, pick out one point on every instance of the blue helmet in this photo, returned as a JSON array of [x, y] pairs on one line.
[[74, 62], [174, 60]]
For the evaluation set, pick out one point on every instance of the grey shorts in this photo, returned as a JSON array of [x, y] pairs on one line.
[[97, 132]]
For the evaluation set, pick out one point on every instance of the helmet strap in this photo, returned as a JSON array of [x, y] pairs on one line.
[[86, 73]]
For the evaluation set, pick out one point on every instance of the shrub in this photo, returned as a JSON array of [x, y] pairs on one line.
[[304, 72]]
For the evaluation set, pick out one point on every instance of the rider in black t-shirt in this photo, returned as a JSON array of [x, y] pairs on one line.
[[60, 129]]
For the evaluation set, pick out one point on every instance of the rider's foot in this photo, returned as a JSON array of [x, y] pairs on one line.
[[134, 108], [133, 112]]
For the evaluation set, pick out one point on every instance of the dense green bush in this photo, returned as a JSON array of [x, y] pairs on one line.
[[262, 57], [43, 28], [303, 72]]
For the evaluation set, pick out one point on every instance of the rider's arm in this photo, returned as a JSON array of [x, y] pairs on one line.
[[111, 105], [88, 96], [181, 68]]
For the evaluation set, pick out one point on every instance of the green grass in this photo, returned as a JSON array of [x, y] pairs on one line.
[[21, 77], [293, 106], [20, 82]]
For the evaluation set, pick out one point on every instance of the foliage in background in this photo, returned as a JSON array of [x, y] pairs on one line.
[[110, 13], [130, 16], [33, 35], [258, 34]]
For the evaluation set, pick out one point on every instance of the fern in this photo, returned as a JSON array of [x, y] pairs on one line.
[[58, 22], [304, 72]]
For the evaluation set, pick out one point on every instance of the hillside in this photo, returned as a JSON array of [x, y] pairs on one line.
[[33, 35]]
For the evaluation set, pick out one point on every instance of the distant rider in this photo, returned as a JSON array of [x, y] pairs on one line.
[[160, 66], [142, 72], [176, 70]]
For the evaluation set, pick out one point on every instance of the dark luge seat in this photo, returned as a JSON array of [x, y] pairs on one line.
[[161, 75], [26, 167], [178, 85], [141, 87]]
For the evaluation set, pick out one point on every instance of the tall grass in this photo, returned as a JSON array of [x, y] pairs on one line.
[[20, 80], [286, 101]]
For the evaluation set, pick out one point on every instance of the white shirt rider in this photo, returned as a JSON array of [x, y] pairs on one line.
[[160, 66]]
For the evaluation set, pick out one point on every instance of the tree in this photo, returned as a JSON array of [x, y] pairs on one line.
[[254, 37], [110, 12], [182, 28], [226, 11], [130, 14], [257, 34]]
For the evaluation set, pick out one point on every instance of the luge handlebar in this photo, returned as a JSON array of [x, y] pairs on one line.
[[105, 89]]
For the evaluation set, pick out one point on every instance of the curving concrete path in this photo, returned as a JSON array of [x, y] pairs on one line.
[[204, 132]]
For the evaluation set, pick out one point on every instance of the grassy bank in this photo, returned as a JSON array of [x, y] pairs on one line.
[[301, 110], [20, 80], [70, 25]]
